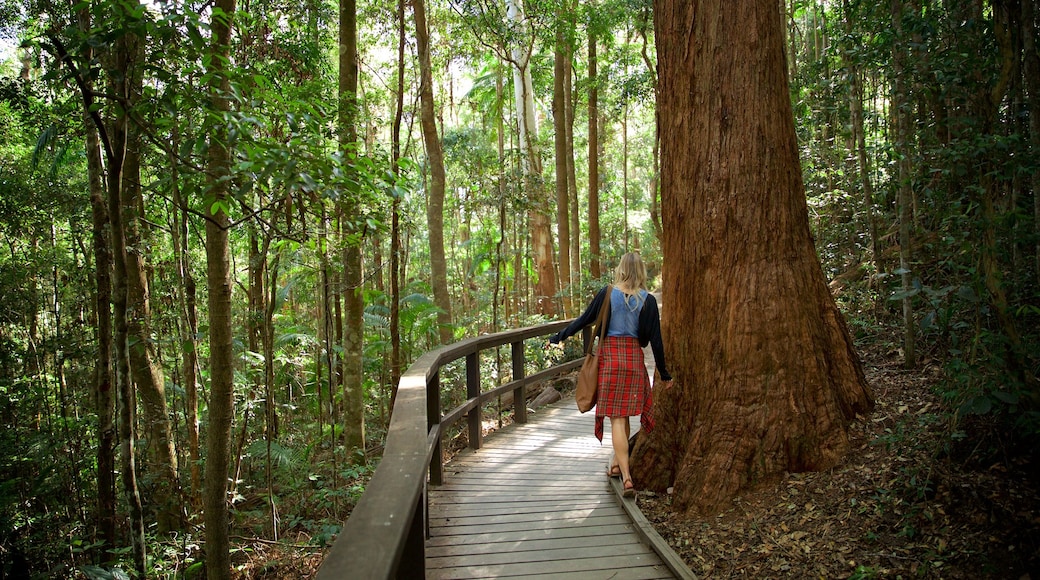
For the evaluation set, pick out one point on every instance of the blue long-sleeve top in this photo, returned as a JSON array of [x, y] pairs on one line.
[[648, 330]]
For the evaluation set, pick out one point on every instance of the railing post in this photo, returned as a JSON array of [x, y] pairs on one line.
[[413, 558], [433, 416], [519, 393], [472, 392]]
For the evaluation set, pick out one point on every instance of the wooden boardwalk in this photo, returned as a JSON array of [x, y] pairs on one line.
[[534, 501]]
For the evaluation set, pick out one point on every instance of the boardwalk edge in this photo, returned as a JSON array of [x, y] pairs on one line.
[[649, 534]]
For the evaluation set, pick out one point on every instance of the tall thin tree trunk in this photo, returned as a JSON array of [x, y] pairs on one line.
[[1031, 65], [860, 143], [901, 111], [127, 398], [218, 278], [395, 240], [572, 178], [539, 223], [559, 110], [189, 351], [151, 387], [103, 379], [595, 260], [353, 300], [435, 157]]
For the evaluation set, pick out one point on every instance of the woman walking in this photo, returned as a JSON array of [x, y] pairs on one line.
[[633, 321]]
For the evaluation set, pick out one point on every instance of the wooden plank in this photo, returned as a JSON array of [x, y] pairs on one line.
[[618, 539], [543, 555], [606, 565], [534, 501], [512, 507], [463, 528], [526, 517], [525, 535]]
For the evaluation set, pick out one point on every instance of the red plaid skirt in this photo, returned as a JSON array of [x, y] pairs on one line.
[[623, 383]]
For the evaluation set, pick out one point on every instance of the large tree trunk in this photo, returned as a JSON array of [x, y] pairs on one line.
[[354, 306], [218, 278], [766, 376], [435, 156]]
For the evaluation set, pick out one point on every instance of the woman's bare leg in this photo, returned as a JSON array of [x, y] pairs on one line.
[[619, 430]]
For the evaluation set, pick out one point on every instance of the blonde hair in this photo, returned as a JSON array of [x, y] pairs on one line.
[[630, 274]]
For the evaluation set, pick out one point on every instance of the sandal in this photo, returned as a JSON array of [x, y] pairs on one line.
[[614, 471], [628, 490]]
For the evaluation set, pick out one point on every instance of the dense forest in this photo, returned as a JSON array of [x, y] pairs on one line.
[[228, 226]]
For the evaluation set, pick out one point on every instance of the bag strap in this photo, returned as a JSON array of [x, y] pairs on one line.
[[601, 321]]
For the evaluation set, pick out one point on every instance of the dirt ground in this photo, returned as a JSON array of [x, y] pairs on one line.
[[902, 504]]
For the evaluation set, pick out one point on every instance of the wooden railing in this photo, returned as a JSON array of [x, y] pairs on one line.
[[384, 537]]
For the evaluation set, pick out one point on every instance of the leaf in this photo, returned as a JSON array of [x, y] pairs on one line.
[[979, 405], [904, 294], [1009, 398], [966, 293]]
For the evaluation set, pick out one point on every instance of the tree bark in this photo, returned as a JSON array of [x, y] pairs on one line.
[[538, 215], [127, 398], [218, 279], [395, 233], [901, 112], [103, 379], [353, 301], [572, 179], [189, 347], [595, 262], [559, 109], [435, 156], [767, 379], [860, 143], [1031, 66], [165, 493]]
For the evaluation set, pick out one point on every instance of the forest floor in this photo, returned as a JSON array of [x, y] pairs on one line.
[[904, 503]]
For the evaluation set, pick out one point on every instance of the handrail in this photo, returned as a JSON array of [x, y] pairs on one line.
[[384, 537]]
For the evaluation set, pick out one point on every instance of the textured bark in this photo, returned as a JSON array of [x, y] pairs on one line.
[[595, 262], [904, 198], [127, 397], [190, 348], [766, 376], [435, 156], [395, 233], [353, 301], [559, 110], [1031, 66], [218, 279], [860, 143], [103, 379], [572, 179], [539, 223], [164, 494]]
